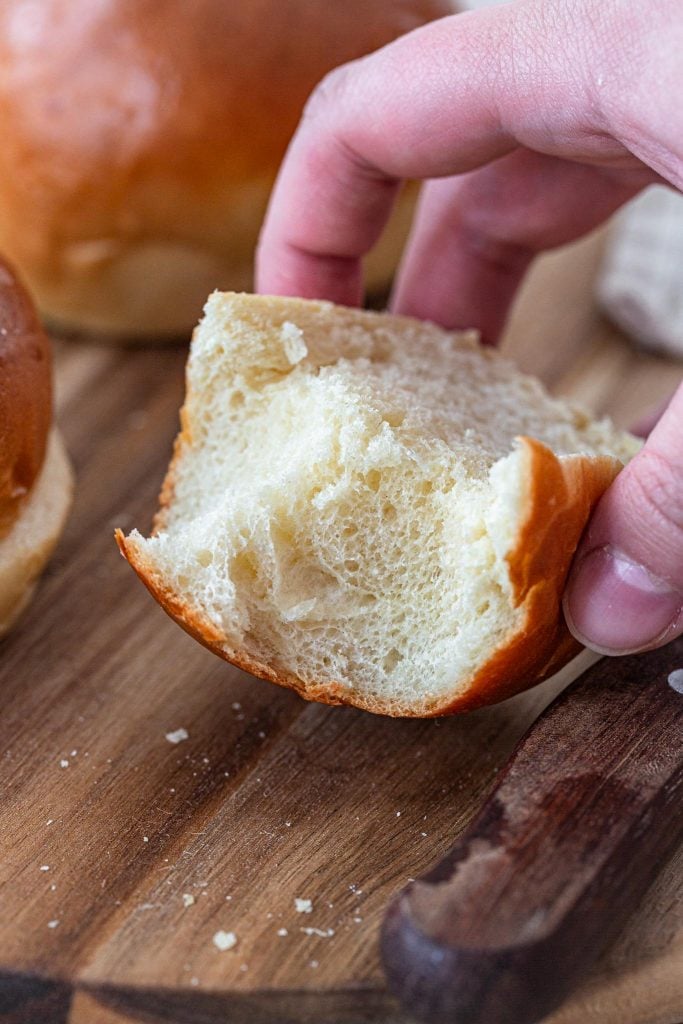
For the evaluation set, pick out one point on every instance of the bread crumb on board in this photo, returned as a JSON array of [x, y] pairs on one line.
[[188, 899], [177, 735], [224, 940], [303, 906], [675, 680]]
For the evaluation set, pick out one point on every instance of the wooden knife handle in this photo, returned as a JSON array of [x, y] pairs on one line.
[[585, 813]]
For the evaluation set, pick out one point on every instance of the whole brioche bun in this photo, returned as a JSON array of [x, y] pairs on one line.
[[141, 139], [370, 510], [35, 478], [25, 396]]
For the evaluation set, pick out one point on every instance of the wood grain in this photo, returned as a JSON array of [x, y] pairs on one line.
[[266, 802], [580, 822]]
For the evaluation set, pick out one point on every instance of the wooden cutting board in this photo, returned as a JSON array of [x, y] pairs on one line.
[[122, 854]]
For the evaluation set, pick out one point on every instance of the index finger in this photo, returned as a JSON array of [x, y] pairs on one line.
[[444, 99]]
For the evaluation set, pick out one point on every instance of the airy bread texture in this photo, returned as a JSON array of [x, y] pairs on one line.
[[140, 141], [371, 510]]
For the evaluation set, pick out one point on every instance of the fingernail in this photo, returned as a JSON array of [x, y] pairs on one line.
[[616, 606]]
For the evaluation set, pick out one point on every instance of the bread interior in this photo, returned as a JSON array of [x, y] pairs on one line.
[[345, 492]]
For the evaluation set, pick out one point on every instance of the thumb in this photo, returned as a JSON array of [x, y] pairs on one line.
[[625, 590]]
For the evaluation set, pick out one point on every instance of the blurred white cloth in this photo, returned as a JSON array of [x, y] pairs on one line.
[[640, 286]]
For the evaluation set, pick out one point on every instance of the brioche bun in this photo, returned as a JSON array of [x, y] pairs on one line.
[[35, 478], [140, 140], [370, 510]]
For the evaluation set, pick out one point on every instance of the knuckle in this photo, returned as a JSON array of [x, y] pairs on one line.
[[332, 116], [639, 59], [330, 92], [503, 256], [657, 493]]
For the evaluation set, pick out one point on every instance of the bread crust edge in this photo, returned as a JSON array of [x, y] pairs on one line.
[[560, 496], [46, 509]]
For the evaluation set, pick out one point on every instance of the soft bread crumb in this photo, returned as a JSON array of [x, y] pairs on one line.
[[293, 341], [370, 509], [302, 906]]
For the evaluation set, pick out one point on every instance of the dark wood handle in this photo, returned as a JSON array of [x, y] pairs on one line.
[[587, 810]]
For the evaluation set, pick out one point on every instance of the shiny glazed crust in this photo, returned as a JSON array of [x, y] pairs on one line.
[[25, 397], [561, 494], [147, 134]]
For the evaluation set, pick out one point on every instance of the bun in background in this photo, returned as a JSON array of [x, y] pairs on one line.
[[35, 476], [140, 140]]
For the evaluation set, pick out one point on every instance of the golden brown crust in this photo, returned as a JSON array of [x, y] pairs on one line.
[[194, 623], [25, 396], [27, 547], [561, 496], [147, 134]]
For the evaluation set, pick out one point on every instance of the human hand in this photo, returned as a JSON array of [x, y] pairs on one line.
[[533, 122]]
